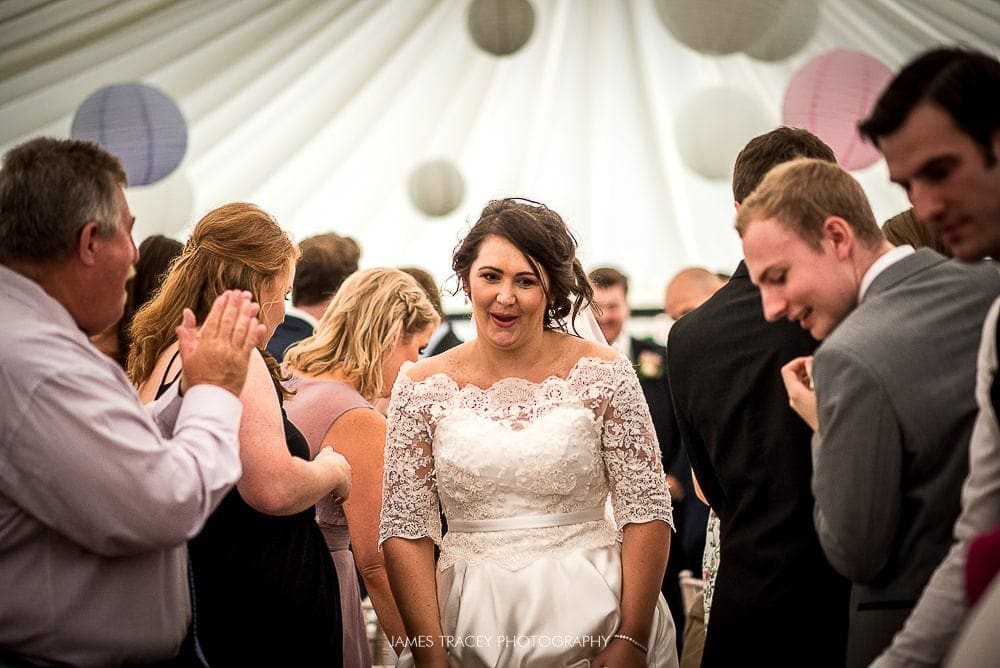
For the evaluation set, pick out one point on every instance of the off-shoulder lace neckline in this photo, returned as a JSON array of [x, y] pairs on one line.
[[580, 363]]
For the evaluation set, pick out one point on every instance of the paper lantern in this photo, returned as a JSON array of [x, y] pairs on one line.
[[165, 207], [719, 26], [830, 94], [795, 26], [501, 27], [138, 123], [714, 126], [436, 187]]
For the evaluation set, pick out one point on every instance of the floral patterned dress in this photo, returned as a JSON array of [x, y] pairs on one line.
[[535, 481]]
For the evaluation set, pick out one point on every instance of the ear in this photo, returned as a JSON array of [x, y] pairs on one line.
[[839, 233], [87, 245]]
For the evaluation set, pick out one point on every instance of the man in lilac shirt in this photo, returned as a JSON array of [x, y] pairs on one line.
[[98, 495]]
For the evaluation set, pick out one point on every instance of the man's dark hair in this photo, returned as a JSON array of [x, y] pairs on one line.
[[49, 189], [326, 260], [771, 149], [962, 82], [608, 277]]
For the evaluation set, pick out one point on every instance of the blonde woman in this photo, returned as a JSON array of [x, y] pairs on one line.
[[265, 591], [378, 319]]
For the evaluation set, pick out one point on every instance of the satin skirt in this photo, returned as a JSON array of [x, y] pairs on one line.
[[357, 652], [554, 612]]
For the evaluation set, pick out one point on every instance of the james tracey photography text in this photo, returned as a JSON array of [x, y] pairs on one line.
[[485, 640]]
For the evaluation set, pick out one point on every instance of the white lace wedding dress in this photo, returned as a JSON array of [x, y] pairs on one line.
[[530, 569]]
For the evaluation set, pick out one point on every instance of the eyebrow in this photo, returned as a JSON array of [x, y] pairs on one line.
[[487, 267], [766, 275], [939, 161]]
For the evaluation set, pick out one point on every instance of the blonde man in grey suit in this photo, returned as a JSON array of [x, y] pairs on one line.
[[894, 381]]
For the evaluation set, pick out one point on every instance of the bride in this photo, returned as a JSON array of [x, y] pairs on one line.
[[520, 436]]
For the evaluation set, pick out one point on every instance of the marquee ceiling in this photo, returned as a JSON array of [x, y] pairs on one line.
[[320, 111]]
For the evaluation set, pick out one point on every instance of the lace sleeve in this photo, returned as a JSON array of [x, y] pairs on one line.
[[410, 506], [639, 491]]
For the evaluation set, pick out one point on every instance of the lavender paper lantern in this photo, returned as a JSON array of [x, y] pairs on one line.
[[436, 187], [830, 94], [138, 123]]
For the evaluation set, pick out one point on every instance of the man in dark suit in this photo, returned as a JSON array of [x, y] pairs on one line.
[[889, 452], [326, 260], [650, 360], [777, 600], [687, 290], [443, 338]]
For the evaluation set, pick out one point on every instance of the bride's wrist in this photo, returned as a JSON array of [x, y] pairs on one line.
[[635, 643]]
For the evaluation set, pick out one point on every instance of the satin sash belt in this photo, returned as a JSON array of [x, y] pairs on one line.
[[527, 521]]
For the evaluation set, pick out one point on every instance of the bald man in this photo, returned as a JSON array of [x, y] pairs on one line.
[[688, 289]]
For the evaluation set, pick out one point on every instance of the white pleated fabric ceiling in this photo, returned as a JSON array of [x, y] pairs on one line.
[[329, 113]]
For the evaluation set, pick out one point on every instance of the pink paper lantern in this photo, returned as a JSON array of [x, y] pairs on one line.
[[830, 94]]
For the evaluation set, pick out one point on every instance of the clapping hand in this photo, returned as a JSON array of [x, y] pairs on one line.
[[797, 376], [218, 353]]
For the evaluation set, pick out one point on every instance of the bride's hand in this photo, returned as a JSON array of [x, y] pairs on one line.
[[619, 654]]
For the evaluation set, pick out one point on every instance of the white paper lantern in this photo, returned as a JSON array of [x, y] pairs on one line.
[[165, 207], [436, 187], [501, 27], [714, 126], [795, 26], [719, 26]]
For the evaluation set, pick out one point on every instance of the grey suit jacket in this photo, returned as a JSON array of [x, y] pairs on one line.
[[895, 390], [935, 622]]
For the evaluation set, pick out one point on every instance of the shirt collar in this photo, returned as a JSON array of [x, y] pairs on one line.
[[623, 343], [302, 315], [436, 337], [881, 264], [23, 289]]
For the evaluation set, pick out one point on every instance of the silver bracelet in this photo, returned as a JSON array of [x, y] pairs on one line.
[[622, 636]]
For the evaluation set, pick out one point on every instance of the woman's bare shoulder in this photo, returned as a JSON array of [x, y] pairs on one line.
[[446, 363], [165, 370], [579, 348]]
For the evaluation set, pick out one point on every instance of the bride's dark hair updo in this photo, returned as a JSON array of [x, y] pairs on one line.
[[543, 237]]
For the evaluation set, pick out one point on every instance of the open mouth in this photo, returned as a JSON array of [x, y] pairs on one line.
[[501, 320]]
